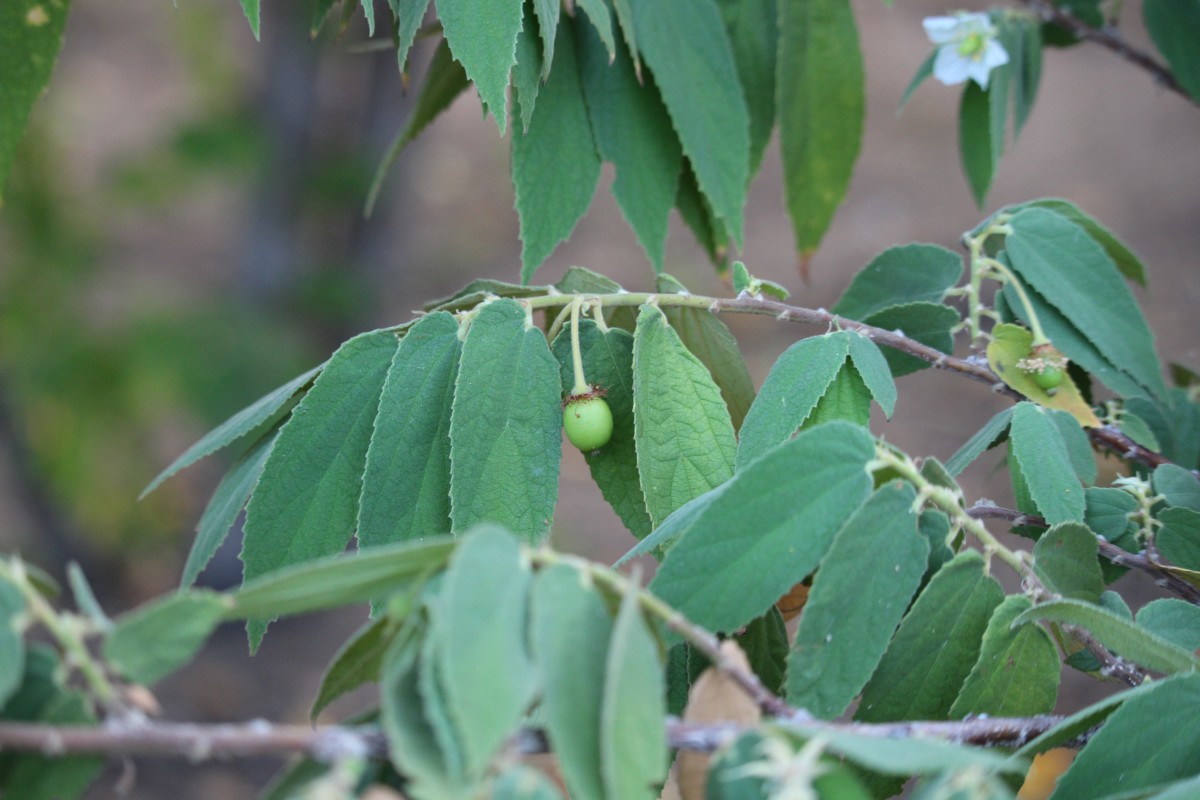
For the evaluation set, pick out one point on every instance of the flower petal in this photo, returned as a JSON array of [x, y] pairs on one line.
[[949, 67], [941, 30], [994, 55]]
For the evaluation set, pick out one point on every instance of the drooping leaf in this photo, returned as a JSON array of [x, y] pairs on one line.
[[547, 13], [987, 437], [1175, 422], [530, 69], [910, 273], [975, 141], [753, 27], [821, 102], [1037, 445], [695, 211], [1174, 25], [1175, 620], [505, 425], [1064, 560], [1010, 344], [867, 577], [155, 640], [682, 430], [432, 684], [555, 166], [1079, 448], [357, 662], [408, 14], [31, 32], [608, 363], [1117, 633], [765, 643], [632, 131], [483, 38], [406, 483], [1017, 672], [687, 49], [936, 645], [767, 529], [571, 629]]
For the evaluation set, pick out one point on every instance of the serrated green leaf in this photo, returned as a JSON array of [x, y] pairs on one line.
[[406, 483], [1011, 343], [1064, 560], [753, 27], [608, 363], [356, 662], [31, 33], [547, 13], [928, 323], [1017, 672], [483, 37], [1074, 273], [686, 47], [846, 398], [1178, 540], [632, 131], [571, 629], [987, 437], [368, 7], [481, 654], [624, 14], [505, 425], [975, 141], [867, 577], [12, 645], [1175, 620], [1150, 739], [683, 434], [408, 14], [257, 417], [156, 639], [1177, 486], [793, 388], [912, 273], [555, 166], [1037, 445], [936, 645], [598, 14], [1174, 25], [529, 70], [1125, 259], [224, 507], [873, 369], [1139, 430], [633, 738], [672, 529], [306, 501], [1116, 633], [768, 528], [820, 97]]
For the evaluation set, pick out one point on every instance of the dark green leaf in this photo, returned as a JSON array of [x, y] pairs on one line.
[[12, 645], [505, 426], [1175, 422], [357, 662], [753, 27], [483, 38], [768, 528], [1017, 672], [729, 778], [899, 275], [1177, 486], [406, 483], [928, 323], [598, 14], [987, 437], [697, 214], [1081, 722], [975, 141], [1177, 621], [1125, 259], [686, 47], [155, 640], [765, 643], [1174, 25], [867, 577], [1178, 540], [1064, 560], [547, 13], [1036, 444], [1137, 429], [936, 646], [555, 166], [684, 437], [1028, 62]]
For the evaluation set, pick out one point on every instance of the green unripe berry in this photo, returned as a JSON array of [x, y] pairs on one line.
[[1049, 378], [588, 422]]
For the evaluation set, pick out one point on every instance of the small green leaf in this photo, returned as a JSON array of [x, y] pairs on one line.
[[1116, 633], [406, 482], [873, 369], [1037, 445], [1150, 739], [928, 323], [987, 437], [252, 11], [975, 141], [633, 738], [482, 289], [820, 96], [155, 640], [12, 645], [767, 529], [936, 645], [571, 628], [483, 37], [505, 425], [357, 662], [555, 166], [1175, 620], [1017, 672], [867, 577], [846, 398], [687, 48], [1177, 486], [684, 437], [753, 27], [1178, 540], [912, 273], [1065, 561], [1174, 25], [408, 14]]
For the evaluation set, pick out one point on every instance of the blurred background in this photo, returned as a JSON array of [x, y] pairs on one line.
[[183, 232]]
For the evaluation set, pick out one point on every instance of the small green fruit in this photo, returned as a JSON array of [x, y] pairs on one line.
[[588, 422], [1049, 378]]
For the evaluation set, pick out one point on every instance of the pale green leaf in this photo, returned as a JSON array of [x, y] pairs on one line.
[[1035, 442], [483, 36], [523, 782], [1175, 620], [1065, 561], [911, 755], [155, 640], [1011, 343], [505, 425], [846, 398], [911, 273]]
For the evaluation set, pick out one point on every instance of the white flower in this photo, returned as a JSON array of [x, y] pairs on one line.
[[967, 48]]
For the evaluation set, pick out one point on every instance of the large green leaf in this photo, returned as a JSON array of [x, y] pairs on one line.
[[406, 484], [936, 646], [684, 437], [1174, 25], [31, 32], [1017, 672], [555, 166], [1037, 445], [1125, 259], [1064, 560], [1149, 740], [1075, 275], [483, 37], [608, 363], [571, 628], [753, 27], [687, 48], [505, 425], [155, 640], [633, 736], [910, 273], [871, 571], [633, 131], [820, 97], [767, 529]]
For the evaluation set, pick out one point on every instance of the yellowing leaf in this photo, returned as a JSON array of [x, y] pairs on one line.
[[1011, 343]]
